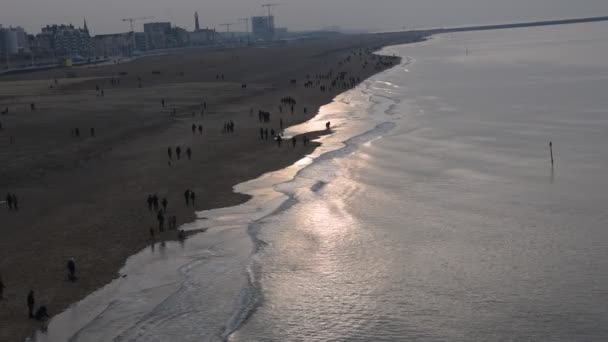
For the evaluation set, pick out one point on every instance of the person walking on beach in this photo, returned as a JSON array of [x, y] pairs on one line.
[[155, 202], [92, 131], [30, 304], [187, 197], [15, 202], [1, 288], [165, 203], [328, 125], [192, 197], [189, 153], [161, 221], [71, 270], [162, 102], [9, 201], [200, 129], [293, 141], [150, 202], [193, 129], [178, 152], [170, 153], [279, 140]]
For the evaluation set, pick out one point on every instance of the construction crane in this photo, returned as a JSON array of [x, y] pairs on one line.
[[131, 20], [227, 27], [269, 6], [246, 21], [270, 22]]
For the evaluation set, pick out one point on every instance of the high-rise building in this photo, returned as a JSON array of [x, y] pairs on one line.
[[197, 26], [13, 40], [263, 27], [157, 35]]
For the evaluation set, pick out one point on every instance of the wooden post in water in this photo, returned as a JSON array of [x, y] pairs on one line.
[[551, 151]]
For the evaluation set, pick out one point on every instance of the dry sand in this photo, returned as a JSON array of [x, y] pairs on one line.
[[86, 197]]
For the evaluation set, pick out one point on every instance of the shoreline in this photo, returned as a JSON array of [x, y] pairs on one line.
[[139, 138]]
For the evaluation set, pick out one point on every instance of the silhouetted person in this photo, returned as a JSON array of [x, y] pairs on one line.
[[178, 152], [155, 202], [9, 201], [200, 129], [165, 203], [92, 131], [162, 102], [15, 202], [192, 197], [33, 106], [193, 129], [77, 132], [1, 288], [279, 140], [102, 93], [187, 197], [170, 152], [30, 304], [161, 221], [327, 125], [189, 153], [72, 270], [261, 133], [151, 233], [293, 141], [150, 202], [42, 313]]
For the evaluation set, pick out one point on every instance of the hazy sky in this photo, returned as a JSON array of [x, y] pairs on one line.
[[104, 16]]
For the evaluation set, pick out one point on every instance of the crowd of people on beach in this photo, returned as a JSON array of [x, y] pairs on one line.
[[159, 207]]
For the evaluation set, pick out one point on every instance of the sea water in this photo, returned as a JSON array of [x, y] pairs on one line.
[[431, 213]]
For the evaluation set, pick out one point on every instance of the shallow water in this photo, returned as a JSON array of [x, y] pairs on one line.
[[432, 213]]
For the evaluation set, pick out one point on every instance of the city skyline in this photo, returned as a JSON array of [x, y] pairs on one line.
[[106, 17]]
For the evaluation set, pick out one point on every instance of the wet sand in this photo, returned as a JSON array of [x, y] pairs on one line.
[[85, 197]]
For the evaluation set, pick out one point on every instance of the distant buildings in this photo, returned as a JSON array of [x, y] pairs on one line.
[[157, 35], [65, 41], [263, 27], [119, 44], [60, 43], [13, 40]]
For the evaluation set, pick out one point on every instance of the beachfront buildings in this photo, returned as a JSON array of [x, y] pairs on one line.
[[108, 45], [13, 40], [157, 35], [65, 41]]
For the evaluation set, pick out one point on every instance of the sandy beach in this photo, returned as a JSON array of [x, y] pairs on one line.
[[85, 196]]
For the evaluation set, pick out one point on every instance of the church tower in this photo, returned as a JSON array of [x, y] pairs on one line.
[[85, 28], [196, 24]]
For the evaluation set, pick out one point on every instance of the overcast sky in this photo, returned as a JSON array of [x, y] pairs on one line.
[[104, 16]]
